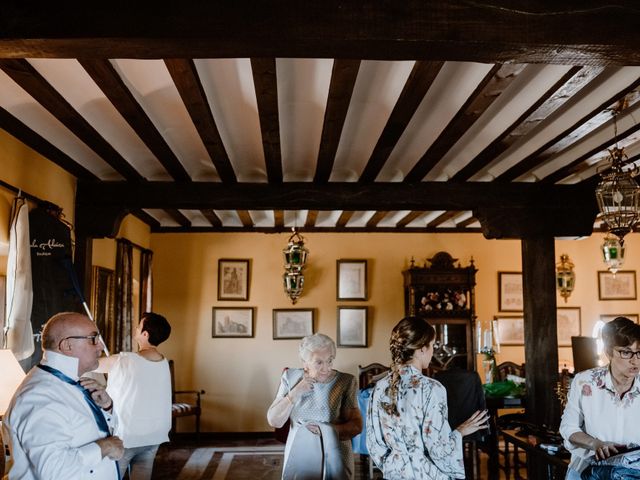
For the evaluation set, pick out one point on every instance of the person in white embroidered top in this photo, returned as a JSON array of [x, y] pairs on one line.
[[408, 432], [603, 406], [56, 426], [140, 385]]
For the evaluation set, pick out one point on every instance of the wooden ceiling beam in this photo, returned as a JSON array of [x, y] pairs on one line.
[[344, 218], [278, 218], [210, 215], [415, 88], [245, 218], [266, 85], [178, 217], [185, 76], [487, 91], [408, 218], [376, 218], [35, 85], [146, 218], [343, 79], [488, 32], [312, 216], [443, 217], [467, 222], [108, 80]]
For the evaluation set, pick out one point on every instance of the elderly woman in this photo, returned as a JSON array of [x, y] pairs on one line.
[[603, 408], [322, 401], [408, 434]]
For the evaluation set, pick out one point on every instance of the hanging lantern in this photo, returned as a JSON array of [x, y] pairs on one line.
[[613, 253], [295, 259], [565, 277]]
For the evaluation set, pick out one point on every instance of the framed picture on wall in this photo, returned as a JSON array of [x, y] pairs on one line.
[[510, 292], [352, 326], [232, 322], [510, 330], [351, 279], [610, 316], [292, 323], [568, 319], [621, 286], [233, 279]]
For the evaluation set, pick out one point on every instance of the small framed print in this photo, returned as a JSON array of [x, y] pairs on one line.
[[510, 292], [568, 319], [232, 322], [510, 330], [352, 326], [233, 279], [606, 318], [621, 286], [351, 279], [291, 323]]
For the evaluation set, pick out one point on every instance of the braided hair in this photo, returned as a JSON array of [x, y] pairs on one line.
[[409, 335]]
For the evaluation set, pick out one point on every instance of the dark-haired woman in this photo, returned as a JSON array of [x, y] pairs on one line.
[[603, 408], [408, 435]]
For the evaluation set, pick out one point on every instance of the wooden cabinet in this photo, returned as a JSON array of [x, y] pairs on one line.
[[444, 294]]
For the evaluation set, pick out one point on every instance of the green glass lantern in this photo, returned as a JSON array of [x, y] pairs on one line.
[[613, 253]]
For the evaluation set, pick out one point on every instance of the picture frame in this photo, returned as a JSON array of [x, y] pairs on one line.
[[568, 324], [102, 303], [621, 286], [510, 297], [352, 327], [607, 317], [290, 323], [233, 322], [233, 279], [510, 329], [351, 281]]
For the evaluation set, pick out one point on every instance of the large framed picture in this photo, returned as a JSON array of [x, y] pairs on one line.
[[510, 329], [568, 319], [606, 318], [232, 322], [292, 323], [621, 286], [351, 280], [352, 326], [510, 292], [233, 279]]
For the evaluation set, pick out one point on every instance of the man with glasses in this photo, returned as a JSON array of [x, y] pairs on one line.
[[602, 415], [59, 425]]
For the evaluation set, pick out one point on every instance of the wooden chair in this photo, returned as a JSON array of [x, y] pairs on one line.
[[510, 368], [510, 420], [184, 409]]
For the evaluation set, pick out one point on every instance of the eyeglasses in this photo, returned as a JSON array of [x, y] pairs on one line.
[[629, 354], [94, 339]]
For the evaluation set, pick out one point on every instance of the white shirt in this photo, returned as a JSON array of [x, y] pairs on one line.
[[141, 393], [51, 430], [595, 408]]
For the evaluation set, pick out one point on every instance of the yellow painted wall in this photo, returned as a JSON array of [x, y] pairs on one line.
[[241, 375]]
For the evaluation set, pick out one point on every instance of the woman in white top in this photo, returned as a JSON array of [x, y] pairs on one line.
[[603, 407], [140, 385]]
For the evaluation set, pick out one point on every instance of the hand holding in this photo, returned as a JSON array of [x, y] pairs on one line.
[[305, 385], [313, 428], [605, 449], [111, 447], [475, 422], [97, 391]]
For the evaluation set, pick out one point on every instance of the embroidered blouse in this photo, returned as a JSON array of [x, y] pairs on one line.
[[419, 443], [595, 408]]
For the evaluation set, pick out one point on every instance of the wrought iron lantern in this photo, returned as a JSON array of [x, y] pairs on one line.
[[565, 277], [613, 253], [295, 259]]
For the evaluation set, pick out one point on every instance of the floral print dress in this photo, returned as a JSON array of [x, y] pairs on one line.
[[418, 444]]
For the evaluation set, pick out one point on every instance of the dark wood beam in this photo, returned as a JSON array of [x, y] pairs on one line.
[[178, 217], [575, 79], [415, 88], [264, 79], [327, 229], [408, 218], [245, 218], [390, 196], [312, 216], [345, 216], [487, 91], [146, 218], [108, 80], [440, 219], [33, 140], [538, 157], [467, 222], [343, 79], [489, 32], [185, 76], [35, 85], [376, 218], [210, 215], [278, 218]]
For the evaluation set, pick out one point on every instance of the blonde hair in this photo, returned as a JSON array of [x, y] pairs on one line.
[[409, 335]]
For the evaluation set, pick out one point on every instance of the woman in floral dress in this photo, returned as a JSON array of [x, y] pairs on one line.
[[408, 435]]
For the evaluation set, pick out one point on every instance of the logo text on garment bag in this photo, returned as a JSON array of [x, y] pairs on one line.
[[45, 248]]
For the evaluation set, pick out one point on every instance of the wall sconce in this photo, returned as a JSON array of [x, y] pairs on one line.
[[565, 277], [613, 253], [295, 259]]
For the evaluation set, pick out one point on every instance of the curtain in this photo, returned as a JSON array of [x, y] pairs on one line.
[[146, 281], [123, 298]]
